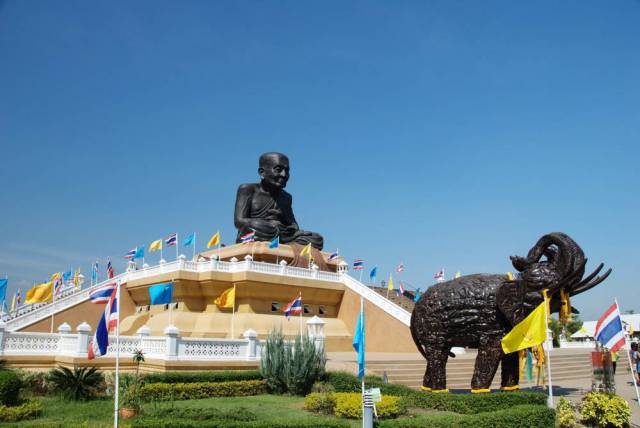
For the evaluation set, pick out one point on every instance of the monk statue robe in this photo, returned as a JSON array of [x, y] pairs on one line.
[[266, 207]]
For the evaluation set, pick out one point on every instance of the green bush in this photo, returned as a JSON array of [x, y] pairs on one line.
[[34, 383], [525, 416], [203, 414], [184, 423], [319, 402], [81, 383], [347, 382], [10, 385], [210, 376], [605, 410], [565, 414], [291, 367], [197, 390], [28, 409], [475, 403], [349, 405]]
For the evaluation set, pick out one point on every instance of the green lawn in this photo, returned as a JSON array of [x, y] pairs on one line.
[[99, 413]]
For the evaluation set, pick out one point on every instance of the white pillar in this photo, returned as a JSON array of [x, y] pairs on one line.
[[283, 267], [252, 337], [3, 333], [64, 328], [143, 332], [172, 333], [84, 331]]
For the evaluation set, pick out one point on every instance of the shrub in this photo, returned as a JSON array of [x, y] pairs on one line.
[[565, 414], [204, 414], [28, 409], [475, 403], [605, 410], [210, 376], [347, 382], [81, 383], [35, 383], [524, 416], [318, 402], [197, 390], [322, 387], [349, 405], [10, 385], [285, 423], [291, 367]]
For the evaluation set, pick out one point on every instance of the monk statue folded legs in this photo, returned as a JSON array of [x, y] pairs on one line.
[[265, 207]]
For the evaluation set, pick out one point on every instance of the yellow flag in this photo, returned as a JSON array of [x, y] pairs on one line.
[[306, 251], [40, 293], [390, 284], [458, 274], [76, 278], [227, 299], [215, 240], [155, 245], [509, 276], [531, 331]]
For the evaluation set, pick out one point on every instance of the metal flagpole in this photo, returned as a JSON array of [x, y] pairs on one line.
[[177, 245], [633, 378], [362, 312], [548, 359], [161, 250], [53, 301], [194, 246], [117, 383], [301, 311]]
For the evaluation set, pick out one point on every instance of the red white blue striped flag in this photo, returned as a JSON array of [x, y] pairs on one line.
[[609, 329]]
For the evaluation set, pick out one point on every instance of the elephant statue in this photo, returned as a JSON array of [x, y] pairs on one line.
[[477, 310]]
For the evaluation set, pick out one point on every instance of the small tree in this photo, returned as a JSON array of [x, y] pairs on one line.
[[81, 383]]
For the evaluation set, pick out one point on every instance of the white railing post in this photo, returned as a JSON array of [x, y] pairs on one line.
[[143, 333], [283, 267], [84, 330], [252, 337], [3, 332], [172, 333]]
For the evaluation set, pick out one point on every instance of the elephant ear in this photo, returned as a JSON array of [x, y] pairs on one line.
[[510, 297]]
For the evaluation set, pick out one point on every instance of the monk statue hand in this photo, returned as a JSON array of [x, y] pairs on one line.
[[264, 227]]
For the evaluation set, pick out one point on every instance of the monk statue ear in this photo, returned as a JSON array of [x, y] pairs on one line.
[[261, 172]]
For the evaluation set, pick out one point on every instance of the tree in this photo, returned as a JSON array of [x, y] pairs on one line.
[[574, 325]]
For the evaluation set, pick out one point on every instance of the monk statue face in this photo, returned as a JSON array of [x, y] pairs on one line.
[[274, 171]]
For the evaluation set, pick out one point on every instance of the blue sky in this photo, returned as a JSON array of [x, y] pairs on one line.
[[439, 134]]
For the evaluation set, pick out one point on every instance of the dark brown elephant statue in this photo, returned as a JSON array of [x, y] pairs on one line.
[[476, 311]]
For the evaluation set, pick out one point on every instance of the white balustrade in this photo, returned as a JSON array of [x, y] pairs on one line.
[[385, 304]]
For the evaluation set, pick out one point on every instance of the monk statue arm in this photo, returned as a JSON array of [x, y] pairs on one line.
[[242, 220]]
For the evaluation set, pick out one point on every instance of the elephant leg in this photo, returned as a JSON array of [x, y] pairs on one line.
[[510, 372], [436, 368], [426, 380], [489, 354]]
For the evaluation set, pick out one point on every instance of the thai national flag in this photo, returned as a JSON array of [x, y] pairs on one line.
[[131, 254], [401, 288], [102, 293], [358, 264], [439, 276], [333, 256], [400, 268], [249, 237], [171, 240], [609, 329], [293, 308], [110, 271], [57, 284], [109, 319]]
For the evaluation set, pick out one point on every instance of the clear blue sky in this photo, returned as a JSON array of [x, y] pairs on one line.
[[440, 134]]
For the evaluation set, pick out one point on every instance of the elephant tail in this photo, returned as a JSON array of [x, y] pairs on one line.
[[415, 336]]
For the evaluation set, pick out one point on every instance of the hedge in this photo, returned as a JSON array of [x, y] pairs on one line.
[[475, 403], [210, 376], [347, 382], [524, 416], [10, 385], [197, 390], [28, 409], [183, 423]]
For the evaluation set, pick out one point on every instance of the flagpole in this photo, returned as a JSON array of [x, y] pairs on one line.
[[548, 359], [635, 382], [177, 245], [53, 301], [361, 314], [117, 383], [194, 246], [301, 311]]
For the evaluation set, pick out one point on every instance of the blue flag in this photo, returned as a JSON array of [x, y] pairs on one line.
[[161, 293], [373, 274], [275, 242], [358, 342], [66, 275], [417, 296], [3, 288], [190, 239], [139, 253]]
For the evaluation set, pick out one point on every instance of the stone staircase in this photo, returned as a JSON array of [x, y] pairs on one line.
[[566, 367]]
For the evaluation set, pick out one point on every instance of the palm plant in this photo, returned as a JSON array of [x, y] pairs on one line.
[[138, 357], [81, 383]]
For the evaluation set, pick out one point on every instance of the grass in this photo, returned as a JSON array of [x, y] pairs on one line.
[[99, 413]]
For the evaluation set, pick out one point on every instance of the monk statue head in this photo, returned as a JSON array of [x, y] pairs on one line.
[[274, 171]]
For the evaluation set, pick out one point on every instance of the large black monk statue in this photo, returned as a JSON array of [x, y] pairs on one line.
[[266, 207]]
